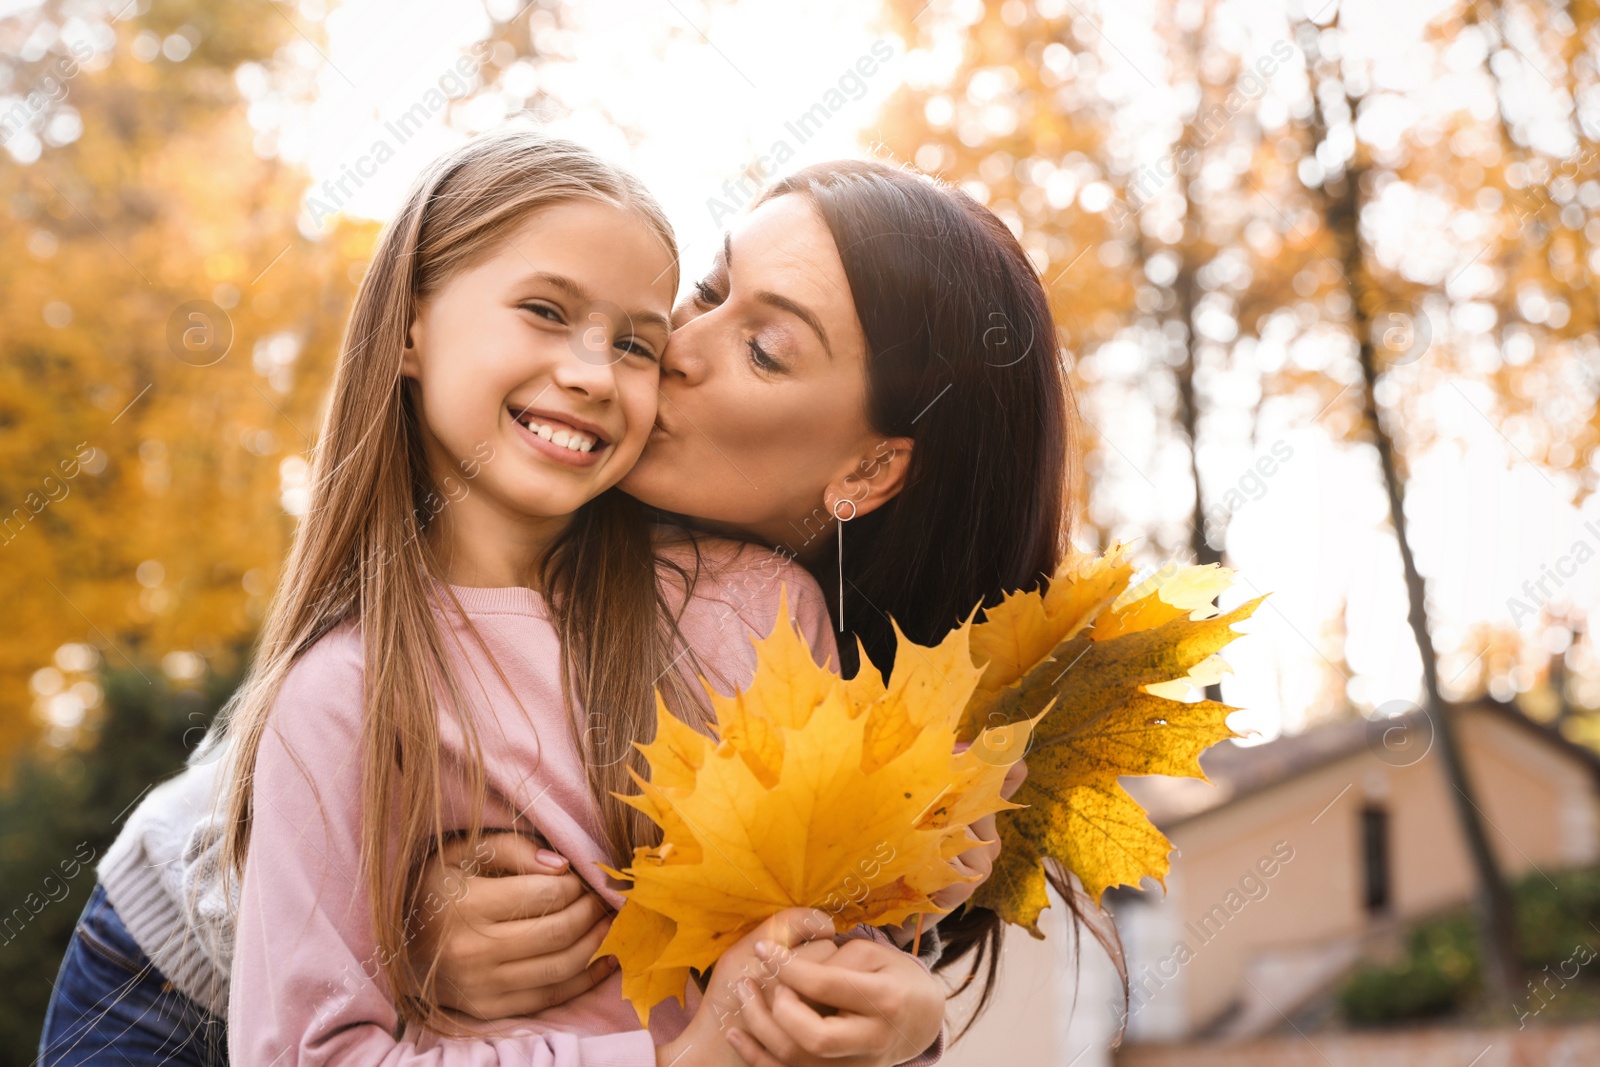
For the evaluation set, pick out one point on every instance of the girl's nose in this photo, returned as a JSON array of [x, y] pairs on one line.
[[590, 369]]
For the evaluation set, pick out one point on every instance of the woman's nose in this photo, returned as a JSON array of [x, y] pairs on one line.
[[683, 361]]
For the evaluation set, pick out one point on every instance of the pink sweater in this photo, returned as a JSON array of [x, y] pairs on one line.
[[306, 987]]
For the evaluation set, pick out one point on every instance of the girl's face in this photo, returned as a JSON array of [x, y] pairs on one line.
[[763, 423], [535, 368]]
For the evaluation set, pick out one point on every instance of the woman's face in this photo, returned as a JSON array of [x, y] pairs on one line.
[[762, 428]]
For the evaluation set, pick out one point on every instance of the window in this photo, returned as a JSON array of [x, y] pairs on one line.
[[1375, 880]]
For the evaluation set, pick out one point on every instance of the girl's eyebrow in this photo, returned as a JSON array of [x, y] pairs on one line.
[[779, 301], [580, 295]]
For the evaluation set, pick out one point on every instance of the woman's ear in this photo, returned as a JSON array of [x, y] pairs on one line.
[[410, 356], [878, 475]]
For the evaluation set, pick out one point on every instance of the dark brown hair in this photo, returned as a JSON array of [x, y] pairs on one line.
[[962, 358]]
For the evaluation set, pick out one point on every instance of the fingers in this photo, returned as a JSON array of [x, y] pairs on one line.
[[560, 928], [485, 959], [816, 951], [863, 1034], [983, 833], [508, 853], [758, 1038], [1016, 774], [836, 982], [792, 1033], [493, 1000], [556, 963], [486, 901], [751, 1051], [793, 927], [558, 909], [861, 954], [483, 880], [501, 853], [889, 1003], [981, 856]]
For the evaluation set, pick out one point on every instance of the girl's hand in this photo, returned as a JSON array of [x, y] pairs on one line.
[[979, 859], [883, 1007], [511, 926], [705, 1042]]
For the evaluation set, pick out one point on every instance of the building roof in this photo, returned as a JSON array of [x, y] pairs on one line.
[[1238, 771]]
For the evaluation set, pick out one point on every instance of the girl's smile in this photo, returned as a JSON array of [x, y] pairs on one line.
[[564, 438]]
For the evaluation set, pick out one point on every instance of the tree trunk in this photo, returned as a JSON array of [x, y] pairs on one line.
[[1183, 288], [1497, 913]]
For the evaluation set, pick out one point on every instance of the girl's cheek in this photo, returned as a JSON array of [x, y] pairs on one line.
[[643, 400]]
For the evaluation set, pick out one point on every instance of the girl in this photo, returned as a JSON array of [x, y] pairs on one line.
[[463, 583]]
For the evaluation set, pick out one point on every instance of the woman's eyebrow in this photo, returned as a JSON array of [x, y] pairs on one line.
[[799, 311], [779, 301]]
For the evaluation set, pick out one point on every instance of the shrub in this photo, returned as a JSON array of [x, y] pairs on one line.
[[61, 807], [1439, 972]]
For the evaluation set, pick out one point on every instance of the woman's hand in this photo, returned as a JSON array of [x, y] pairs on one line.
[[979, 859], [512, 927], [883, 1007]]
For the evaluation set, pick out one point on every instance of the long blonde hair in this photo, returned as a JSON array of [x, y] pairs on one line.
[[361, 552]]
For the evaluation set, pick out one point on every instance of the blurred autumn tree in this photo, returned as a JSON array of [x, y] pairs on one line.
[[1272, 212], [142, 450], [170, 317], [1167, 174]]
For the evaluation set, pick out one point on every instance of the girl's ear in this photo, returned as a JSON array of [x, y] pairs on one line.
[[877, 477], [410, 357]]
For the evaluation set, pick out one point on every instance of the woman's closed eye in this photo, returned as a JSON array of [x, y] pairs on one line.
[[706, 292], [761, 357]]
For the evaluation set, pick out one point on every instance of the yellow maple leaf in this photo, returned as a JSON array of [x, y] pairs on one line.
[[814, 792], [850, 796], [1112, 663]]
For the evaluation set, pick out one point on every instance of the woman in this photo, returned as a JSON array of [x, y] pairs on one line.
[[943, 469], [868, 382]]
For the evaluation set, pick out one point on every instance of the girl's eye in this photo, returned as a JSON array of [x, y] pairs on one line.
[[632, 346], [759, 357], [544, 311]]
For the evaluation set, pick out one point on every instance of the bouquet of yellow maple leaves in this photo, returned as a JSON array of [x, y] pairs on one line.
[[850, 795]]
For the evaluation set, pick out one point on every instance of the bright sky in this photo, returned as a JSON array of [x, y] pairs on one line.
[[687, 98]]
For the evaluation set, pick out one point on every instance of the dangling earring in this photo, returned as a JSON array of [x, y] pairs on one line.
[[841, 520]]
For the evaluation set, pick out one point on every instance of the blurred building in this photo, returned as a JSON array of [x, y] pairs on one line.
[[1309, 851], [1297, 858]]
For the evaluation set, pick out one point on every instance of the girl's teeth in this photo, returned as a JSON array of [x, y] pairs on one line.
[[570, 439]]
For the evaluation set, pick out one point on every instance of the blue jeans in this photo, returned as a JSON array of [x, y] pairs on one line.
[[111, 1006]]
